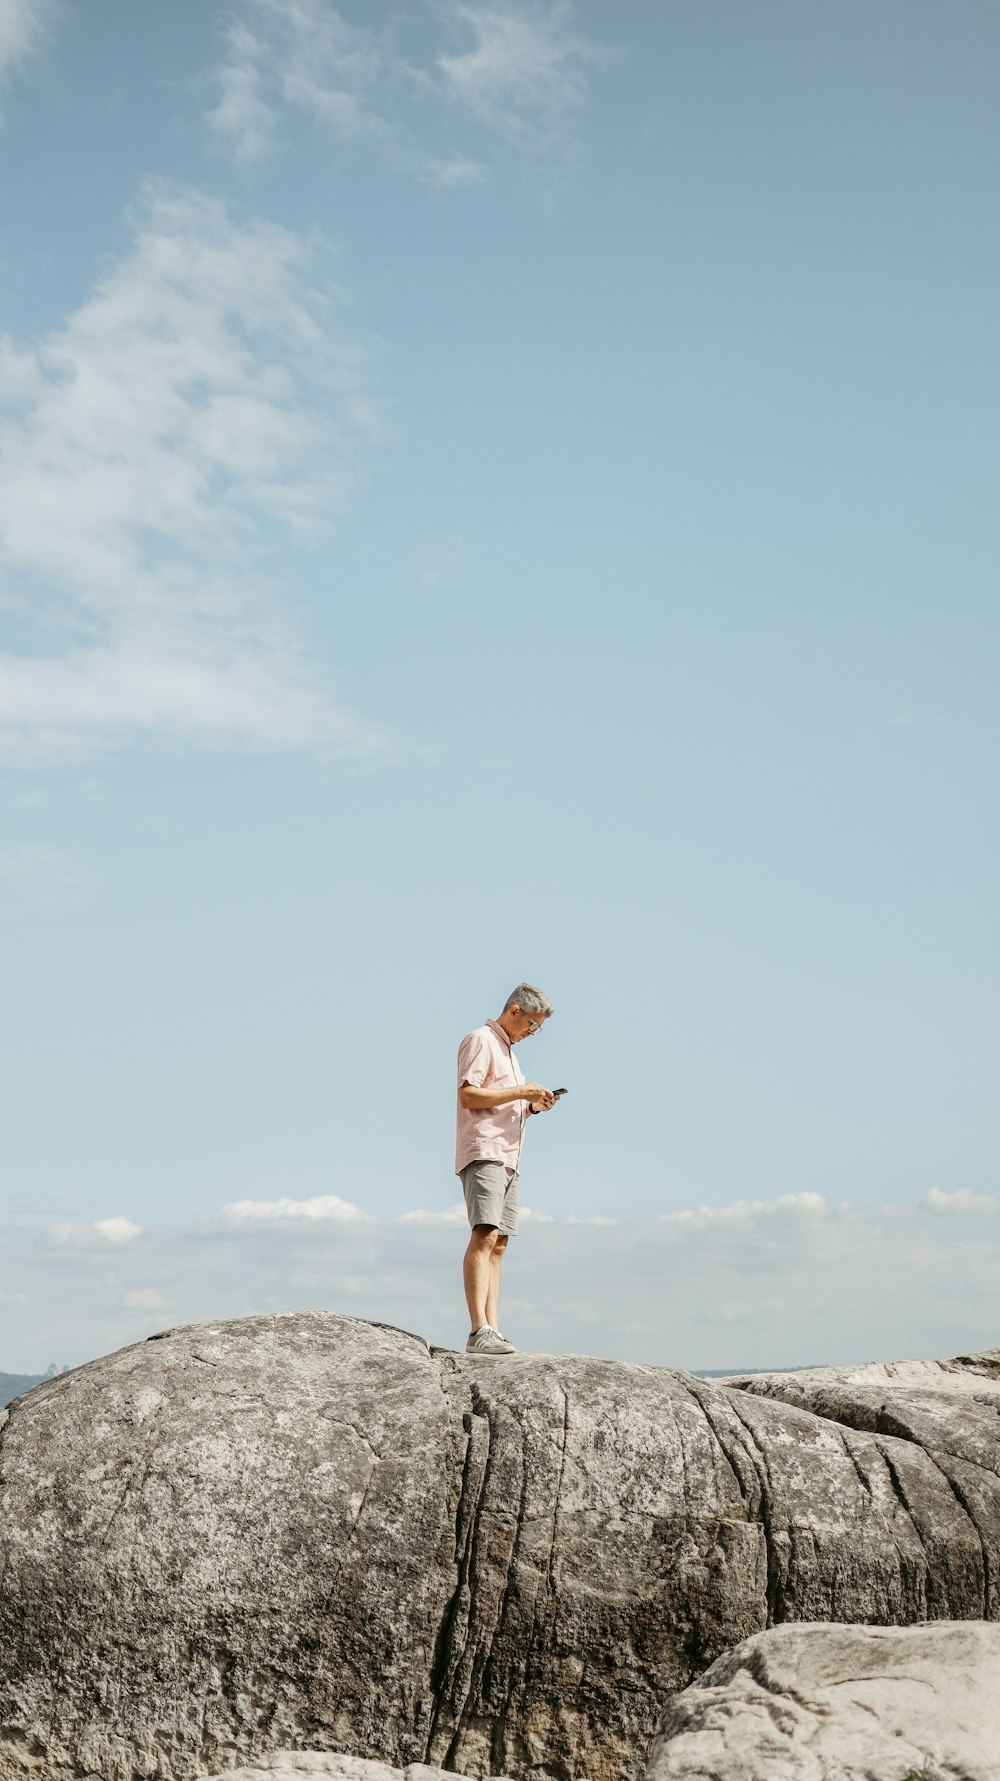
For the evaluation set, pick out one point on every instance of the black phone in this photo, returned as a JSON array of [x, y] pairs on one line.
[[560, 1091]]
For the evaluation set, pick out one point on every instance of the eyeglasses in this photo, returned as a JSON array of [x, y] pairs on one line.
[[533, 1025]]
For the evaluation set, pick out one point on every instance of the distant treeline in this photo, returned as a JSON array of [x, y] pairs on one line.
[[12, 1384]]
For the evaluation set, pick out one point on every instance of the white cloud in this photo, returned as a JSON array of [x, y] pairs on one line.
[[517, 72], [525, 74], [242, 117], [744, 1212], [197, 402], [305, 53], [776, 1288], [25, 27], [455, 1215], [962, 1200], [112, 1233], [117, 1231], [271, 1214]]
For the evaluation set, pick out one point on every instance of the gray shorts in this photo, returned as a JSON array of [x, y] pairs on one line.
[[492, 1196]]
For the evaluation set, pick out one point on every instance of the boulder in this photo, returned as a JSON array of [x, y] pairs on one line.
[[935, 1425], [841, 1703], [310, 1532]]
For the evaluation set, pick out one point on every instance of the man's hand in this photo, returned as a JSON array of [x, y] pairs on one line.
[[539, 1099]]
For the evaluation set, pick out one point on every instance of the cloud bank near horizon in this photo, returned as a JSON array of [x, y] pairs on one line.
[[783, 1282]]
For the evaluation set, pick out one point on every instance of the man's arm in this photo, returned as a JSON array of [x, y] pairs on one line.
[[474, 1099]]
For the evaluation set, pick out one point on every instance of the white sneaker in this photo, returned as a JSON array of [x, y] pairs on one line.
[[487, 1341]]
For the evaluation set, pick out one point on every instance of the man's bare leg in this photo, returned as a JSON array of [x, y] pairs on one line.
[[493, 1295], [477, 1272]]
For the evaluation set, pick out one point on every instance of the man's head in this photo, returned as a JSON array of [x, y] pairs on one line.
[[524, 1012]]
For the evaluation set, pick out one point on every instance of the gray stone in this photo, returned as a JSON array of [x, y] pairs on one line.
[[973, 1374], [935, 1425], [841, 1703], [324, 1765], [311, 1533]]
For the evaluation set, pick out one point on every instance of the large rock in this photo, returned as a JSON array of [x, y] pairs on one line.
[[308, 1531], [841, 1703], [936, 1425]]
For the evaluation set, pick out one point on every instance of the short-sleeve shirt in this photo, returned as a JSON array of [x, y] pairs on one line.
[[489, 1134]]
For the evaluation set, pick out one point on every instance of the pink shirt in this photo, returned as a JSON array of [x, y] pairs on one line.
[[489, 1134]]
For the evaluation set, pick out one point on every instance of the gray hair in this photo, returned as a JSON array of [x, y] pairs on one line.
[[529, 999]]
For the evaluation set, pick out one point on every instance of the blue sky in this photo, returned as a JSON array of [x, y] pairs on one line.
[[494, 491]]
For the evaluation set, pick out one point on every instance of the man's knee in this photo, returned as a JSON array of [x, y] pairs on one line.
[[486, 1236], [500, 1244]]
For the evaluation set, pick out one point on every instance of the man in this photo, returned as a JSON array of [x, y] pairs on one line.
[[494, 1103]]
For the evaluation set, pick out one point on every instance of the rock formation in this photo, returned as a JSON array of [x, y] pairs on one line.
[[841, 1703], [798, 1703], [935, 1429], [309, 1532]]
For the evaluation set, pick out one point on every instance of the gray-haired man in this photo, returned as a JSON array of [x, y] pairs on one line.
[[494, 1102]]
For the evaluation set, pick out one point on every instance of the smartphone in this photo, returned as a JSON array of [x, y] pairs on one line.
[[560, 1091]]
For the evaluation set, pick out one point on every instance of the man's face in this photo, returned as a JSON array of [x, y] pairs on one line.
[[522, 1025]]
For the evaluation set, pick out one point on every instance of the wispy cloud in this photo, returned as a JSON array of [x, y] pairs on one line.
[[962, 1200], [450, 1217], [350, 80], [242, 116], [104, 1233], [516, 74], [763, 1283], [199, 402], [25, 29], [746, 1212], [266, 1215], [525, 76]]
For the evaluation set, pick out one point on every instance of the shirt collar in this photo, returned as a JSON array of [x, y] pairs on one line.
[[495, 1026]]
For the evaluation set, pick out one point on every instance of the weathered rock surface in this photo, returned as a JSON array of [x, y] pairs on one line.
[[841, 1703], [925, 1417], [970, 1373], [311, 1532], [291, 1765]]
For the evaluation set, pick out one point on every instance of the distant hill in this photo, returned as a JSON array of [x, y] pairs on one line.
[[12, 1384]]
